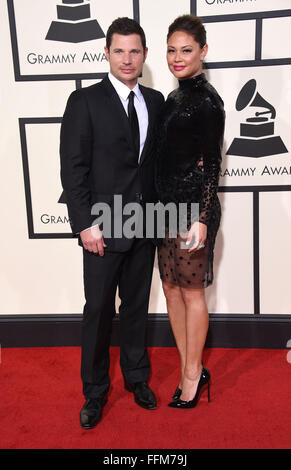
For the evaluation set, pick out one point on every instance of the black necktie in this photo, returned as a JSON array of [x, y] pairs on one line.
[[133, 122]]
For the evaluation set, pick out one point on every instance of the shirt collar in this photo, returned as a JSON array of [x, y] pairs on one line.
[[123, 90]]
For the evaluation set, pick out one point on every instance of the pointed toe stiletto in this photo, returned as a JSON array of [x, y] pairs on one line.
[[177, 394], [204, 380]]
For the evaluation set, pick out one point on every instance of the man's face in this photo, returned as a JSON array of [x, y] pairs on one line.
[[126, 58]]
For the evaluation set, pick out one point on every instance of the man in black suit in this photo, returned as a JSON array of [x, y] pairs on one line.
[[106, 150]]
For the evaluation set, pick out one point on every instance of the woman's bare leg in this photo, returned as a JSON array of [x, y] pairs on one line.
[[197, 323], [177, 316]]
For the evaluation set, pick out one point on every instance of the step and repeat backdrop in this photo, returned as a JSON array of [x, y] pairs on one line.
[[51, 47]]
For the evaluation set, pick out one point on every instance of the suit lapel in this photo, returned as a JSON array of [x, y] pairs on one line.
[[118, 109], [150, 124]]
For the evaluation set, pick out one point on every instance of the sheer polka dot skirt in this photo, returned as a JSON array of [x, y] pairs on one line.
[[178, 266]]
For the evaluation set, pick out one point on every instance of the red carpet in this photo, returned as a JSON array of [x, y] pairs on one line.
[[40, 398]]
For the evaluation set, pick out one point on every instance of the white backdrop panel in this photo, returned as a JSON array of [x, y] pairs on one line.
[[44, 164], [273, 86], [42, 54], [271, 47], [275, 253], [231, 40], [232, 290], [230, 7]]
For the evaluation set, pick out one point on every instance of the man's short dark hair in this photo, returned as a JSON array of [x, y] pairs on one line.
[[125, 26]]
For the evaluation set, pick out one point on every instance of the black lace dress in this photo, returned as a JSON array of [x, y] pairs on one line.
[[189, 140]]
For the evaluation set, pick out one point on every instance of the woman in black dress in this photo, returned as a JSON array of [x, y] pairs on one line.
[[190, 136]]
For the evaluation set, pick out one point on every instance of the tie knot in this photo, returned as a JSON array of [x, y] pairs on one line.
[[131, 96]]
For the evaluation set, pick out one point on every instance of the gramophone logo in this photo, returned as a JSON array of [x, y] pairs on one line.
[[74, 23], [257, 134]]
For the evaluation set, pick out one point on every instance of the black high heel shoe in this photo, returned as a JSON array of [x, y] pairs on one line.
[[204, 380], [177, 394]]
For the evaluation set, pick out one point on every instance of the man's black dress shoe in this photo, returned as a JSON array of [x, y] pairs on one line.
[[143, 395], [91, 412]]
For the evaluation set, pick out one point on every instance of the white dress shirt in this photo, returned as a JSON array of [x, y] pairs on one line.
[[139, 104]]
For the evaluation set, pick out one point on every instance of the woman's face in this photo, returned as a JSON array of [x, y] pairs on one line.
[[184, 55]]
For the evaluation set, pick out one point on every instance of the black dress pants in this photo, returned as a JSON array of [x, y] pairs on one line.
[[131, 273]]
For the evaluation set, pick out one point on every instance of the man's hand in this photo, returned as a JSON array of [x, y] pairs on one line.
[[92, 240]]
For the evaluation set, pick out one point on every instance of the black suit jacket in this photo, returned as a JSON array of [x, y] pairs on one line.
[[97, 154]]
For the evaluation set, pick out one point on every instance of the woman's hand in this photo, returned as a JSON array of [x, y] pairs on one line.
[[196, 237]]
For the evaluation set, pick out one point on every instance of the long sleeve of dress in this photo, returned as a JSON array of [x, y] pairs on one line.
[[211, 146]]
